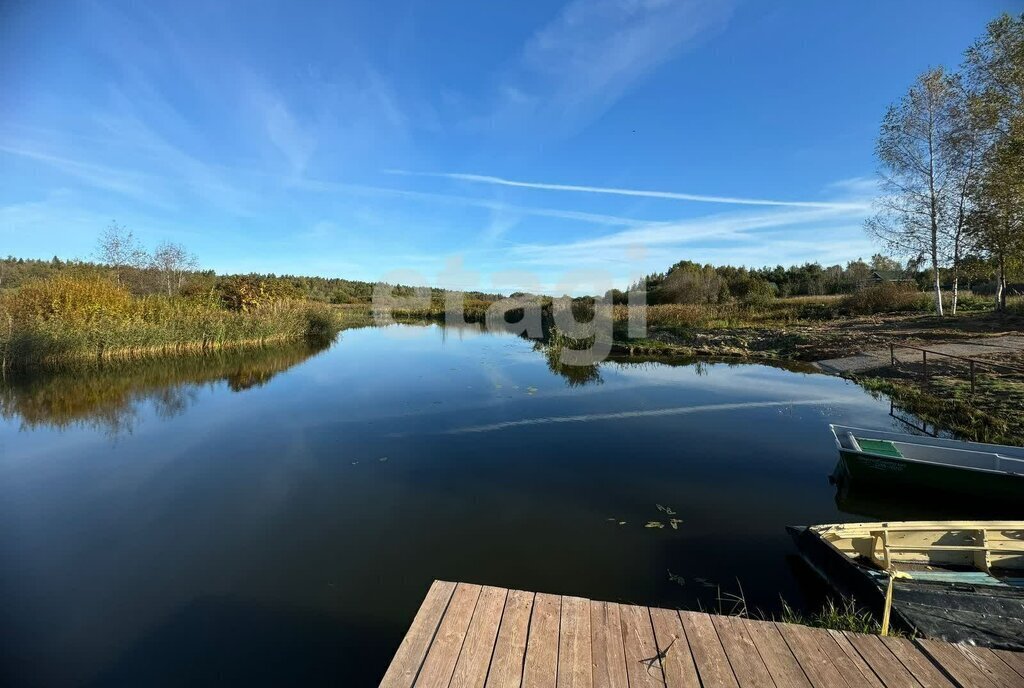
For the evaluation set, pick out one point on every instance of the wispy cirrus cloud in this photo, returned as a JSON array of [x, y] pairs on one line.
[[616, 191], [587, 57], [132, 184], [752, 238]]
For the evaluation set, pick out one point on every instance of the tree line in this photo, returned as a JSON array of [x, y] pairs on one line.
[[951, 156], [690, 282], [172, 270]]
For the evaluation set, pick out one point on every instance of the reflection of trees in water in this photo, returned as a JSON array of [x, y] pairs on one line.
[[575, 375], [111, 397], [551, 347]]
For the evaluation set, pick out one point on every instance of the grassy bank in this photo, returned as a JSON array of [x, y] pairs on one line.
[[73, 320], [992, 413]]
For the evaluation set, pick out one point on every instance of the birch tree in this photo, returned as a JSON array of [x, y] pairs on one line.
[[171, 262], [916, 172], [965, 142], [118, 248]]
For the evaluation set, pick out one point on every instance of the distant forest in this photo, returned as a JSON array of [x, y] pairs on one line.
[[684, 282], [689, 282], [146, 278]]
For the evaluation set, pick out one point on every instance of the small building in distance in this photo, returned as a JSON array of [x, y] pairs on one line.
[[890, 276]]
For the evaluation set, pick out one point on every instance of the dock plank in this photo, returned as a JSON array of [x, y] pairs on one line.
[[816, 665], [609, 656], [746, 662], [541, 666], [995, 668], [919, 666], [406, 663], [575, 668], [444, 651], [708, 654], [510, 646], [475, 658], [677, 660], [955, 664], [853, 667], [642, 664], [471, 636], [777, 656], [1015, 660], [881, 659]]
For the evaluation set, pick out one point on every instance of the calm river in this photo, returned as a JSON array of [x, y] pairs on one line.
[[275, 518]]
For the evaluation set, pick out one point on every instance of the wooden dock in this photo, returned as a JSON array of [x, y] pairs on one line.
[[471, 635]]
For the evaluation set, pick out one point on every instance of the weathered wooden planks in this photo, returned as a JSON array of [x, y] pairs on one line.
[[471, 636], [475, 658], [643, 665], [574, 645], [407, 661], [777, 656], [444, 651], [541, 667], [506, 669], [609, 655], [747, 665], [956, 664], [676, 657]]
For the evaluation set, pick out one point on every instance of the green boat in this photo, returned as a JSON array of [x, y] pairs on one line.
[[892, 459]]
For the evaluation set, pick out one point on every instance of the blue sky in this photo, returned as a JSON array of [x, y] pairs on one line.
[[518, 140]]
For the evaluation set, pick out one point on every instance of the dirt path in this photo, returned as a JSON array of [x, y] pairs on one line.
[[995, 349]]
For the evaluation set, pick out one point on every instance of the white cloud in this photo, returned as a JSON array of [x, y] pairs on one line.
[[586, 58], [616, 191], [737, 238], [134, 185], [285, 132]]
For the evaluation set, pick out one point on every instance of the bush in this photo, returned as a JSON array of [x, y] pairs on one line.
[[886, 297], [759, 293]]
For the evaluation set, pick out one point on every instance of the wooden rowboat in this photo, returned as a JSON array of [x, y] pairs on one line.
[[959, 581], [992, 471]]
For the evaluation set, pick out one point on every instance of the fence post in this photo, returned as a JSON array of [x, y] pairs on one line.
[[924, 364], [892, 354], [972, 376]]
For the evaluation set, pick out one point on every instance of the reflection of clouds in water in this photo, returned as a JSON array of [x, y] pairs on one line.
[[620, 415]]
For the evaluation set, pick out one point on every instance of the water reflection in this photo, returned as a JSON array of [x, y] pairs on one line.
[[874, 502], [256, 535], [110, 398]]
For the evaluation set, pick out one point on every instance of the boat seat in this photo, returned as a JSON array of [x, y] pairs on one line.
[[881, 447]]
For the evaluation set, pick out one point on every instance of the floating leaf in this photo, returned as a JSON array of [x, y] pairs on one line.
[[668, 510], [383, 458], [674, 522], [678, 580], [654, 524], [622, 523]]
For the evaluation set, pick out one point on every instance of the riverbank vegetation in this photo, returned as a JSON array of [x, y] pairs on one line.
[[137, 305], [73, 319]]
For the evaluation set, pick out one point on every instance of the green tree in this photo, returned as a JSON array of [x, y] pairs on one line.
[[995, 72]]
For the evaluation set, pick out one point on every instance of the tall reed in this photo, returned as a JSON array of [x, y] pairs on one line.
[[71, 319]]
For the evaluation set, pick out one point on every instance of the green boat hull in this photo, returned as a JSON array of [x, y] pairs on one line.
[[894, 472]]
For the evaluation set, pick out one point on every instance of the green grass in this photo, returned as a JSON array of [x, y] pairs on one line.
[[844, 616], [991, 414]]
